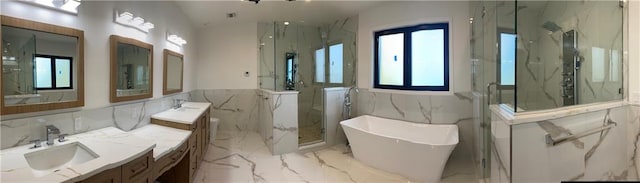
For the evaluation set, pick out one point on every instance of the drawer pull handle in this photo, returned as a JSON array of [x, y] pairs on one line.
[[142, 166]]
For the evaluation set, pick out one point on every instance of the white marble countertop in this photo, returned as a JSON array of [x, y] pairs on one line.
[[113, 146], [187, 114], [167, 139], [511, 118]]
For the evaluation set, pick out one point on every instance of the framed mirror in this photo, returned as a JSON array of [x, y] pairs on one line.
[[131, 69], [172, 77], [42, 66]]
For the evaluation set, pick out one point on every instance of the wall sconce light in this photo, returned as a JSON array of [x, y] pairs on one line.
[[127, 19], [67, 6], [175, 39]]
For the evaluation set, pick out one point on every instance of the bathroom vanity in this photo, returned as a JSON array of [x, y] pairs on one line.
[[180, 165], [169, 150]]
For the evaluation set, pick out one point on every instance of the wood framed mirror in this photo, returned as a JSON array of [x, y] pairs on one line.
[[42, 66], [173, 72], [131, 69]]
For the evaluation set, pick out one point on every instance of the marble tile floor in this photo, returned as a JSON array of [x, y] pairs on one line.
[[243, 157]]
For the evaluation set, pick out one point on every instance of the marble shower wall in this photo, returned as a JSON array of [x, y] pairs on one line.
[[500, 149], [237, 109], [599, 156], [16, 132], [598, 25], [633, 137], [456, 109], [278, 120]]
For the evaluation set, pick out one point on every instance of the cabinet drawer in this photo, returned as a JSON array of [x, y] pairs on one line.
[[142, 178], [107, 176], [137, 167], [168, 161]]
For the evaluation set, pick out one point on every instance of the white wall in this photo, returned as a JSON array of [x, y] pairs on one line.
[[227, 52], [633, 56], [95, 18], [398, 14]]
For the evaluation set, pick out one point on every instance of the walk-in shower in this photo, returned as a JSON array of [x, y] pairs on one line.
[[307, 59], [558, 53]]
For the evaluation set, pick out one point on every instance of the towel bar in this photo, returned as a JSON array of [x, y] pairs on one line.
[[553, 141]]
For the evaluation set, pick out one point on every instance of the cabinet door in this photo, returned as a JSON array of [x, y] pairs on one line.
[[109, 176]]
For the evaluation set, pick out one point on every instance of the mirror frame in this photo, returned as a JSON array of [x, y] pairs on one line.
[[114, 40], [165, 90], [48, 28]]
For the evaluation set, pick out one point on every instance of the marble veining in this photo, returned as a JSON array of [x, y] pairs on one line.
[[608, 155], [16, 169], [19, 131], [247, 159], [237, 109]]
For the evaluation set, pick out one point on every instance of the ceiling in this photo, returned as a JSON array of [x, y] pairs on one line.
[[309, 12]]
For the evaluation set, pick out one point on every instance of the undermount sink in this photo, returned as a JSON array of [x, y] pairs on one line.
[[186, 108], [54, 158]]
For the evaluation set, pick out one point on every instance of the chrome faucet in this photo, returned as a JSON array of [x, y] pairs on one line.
[[347, 102], [177, 103], [51, 130]]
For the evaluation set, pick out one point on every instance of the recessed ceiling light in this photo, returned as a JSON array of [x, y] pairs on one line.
[[286, 23]]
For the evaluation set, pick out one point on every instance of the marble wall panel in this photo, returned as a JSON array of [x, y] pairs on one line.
[[633, 136], [20, 131], [237, 109], [334, 113], [599, 156], [446, 109], [285, 123], [500, 147]]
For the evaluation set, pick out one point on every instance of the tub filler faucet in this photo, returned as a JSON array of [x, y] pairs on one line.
[[347, 102]]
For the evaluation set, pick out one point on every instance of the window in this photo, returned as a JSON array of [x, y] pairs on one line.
[[412, 58], [53, 72], [319, 59], [335, 63], [507, 61], [597, 65]]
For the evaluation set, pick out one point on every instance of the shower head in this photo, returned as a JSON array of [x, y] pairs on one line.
[[551, 26]]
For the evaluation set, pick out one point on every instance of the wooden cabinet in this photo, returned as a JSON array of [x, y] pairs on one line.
[[109, 176], [168, 161], [135, 171], [190, 159], [138, 169]]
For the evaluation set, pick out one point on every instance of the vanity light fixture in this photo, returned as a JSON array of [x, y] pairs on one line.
[[127, 19], [67, 6], [175, 39]]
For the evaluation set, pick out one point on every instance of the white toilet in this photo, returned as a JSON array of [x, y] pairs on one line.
[[214, 128]]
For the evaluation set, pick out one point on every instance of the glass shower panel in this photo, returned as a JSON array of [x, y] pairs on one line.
[[480, 117], [568, 53], [505, 38], [266, 75], [17, 63]]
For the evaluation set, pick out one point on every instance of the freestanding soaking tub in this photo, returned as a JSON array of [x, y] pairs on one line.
[[416, 151]]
